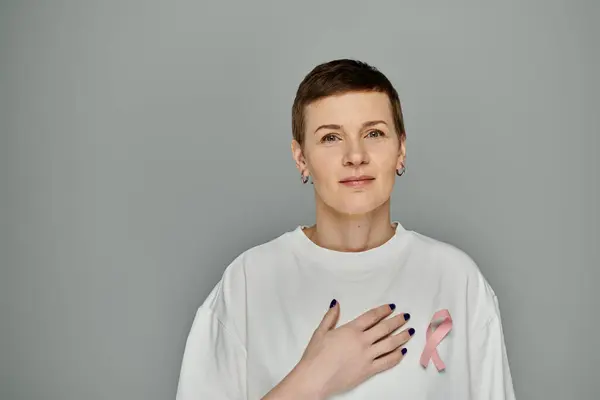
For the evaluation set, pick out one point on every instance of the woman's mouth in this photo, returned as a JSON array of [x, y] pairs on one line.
[[357, 181]]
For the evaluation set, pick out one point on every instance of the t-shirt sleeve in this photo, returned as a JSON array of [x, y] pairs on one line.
[[214, 361], [491, 377]]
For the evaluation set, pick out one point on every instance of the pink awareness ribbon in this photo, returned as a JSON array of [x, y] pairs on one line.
[[434, 337]]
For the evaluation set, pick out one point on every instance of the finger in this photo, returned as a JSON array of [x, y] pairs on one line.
[[386, 327], [388, 361], [391, 343], [330, 318], [371, 317]]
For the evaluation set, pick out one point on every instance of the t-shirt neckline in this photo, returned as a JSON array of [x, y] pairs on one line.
[[362, 260]]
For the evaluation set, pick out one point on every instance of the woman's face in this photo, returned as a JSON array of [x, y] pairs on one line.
[[351, 151]]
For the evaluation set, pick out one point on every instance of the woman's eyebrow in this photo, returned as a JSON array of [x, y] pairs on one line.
[[364, 125]]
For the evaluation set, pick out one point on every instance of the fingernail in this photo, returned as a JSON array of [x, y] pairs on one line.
[[333, 303], [406, 316], [411, 331], [393, 306], [404, 351]]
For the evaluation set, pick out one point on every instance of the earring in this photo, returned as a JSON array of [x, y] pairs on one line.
[[303, 178], [401, 173]]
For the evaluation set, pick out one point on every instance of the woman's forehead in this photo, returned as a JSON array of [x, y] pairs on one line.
[[349, 109]]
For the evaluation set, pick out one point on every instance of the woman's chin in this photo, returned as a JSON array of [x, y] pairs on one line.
[[358, 208]]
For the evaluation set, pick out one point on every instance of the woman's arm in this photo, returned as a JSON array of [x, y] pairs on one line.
[[491, 377], [296, 386], [214, 361]]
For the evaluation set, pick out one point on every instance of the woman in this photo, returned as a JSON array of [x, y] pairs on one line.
[[266, 331]]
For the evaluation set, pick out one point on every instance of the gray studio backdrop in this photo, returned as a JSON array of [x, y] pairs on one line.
[[145, 144]]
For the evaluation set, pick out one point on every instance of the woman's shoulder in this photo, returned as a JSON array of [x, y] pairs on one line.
[[457, 271], [445, 259], [227, 299], [444, 254], [264, 254]]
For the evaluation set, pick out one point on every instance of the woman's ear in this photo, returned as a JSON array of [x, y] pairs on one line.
[[401, 162], [298, 156]]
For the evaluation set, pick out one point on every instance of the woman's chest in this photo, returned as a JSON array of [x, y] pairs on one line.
[[276, 343]]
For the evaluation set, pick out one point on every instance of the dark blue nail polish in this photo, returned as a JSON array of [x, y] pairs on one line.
[[411, 331], [393, 306], [404, 351], [333, 303], [406, 316]]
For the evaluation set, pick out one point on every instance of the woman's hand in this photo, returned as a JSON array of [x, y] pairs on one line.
[[341, 358], [338, 359]]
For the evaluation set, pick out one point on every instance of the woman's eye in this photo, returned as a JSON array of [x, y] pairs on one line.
[[329, 138], [376, 133]]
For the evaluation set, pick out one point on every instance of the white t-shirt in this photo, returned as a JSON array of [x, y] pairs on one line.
[[255, 324]]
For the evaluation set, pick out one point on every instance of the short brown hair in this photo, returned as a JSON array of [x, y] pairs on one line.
[[338, 77]]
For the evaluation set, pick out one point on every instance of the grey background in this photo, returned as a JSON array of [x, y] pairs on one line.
[[145, 144]]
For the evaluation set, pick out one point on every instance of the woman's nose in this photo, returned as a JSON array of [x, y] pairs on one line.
[[355, 154]]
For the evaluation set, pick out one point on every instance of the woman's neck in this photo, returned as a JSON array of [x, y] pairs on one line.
[[351, 233]]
